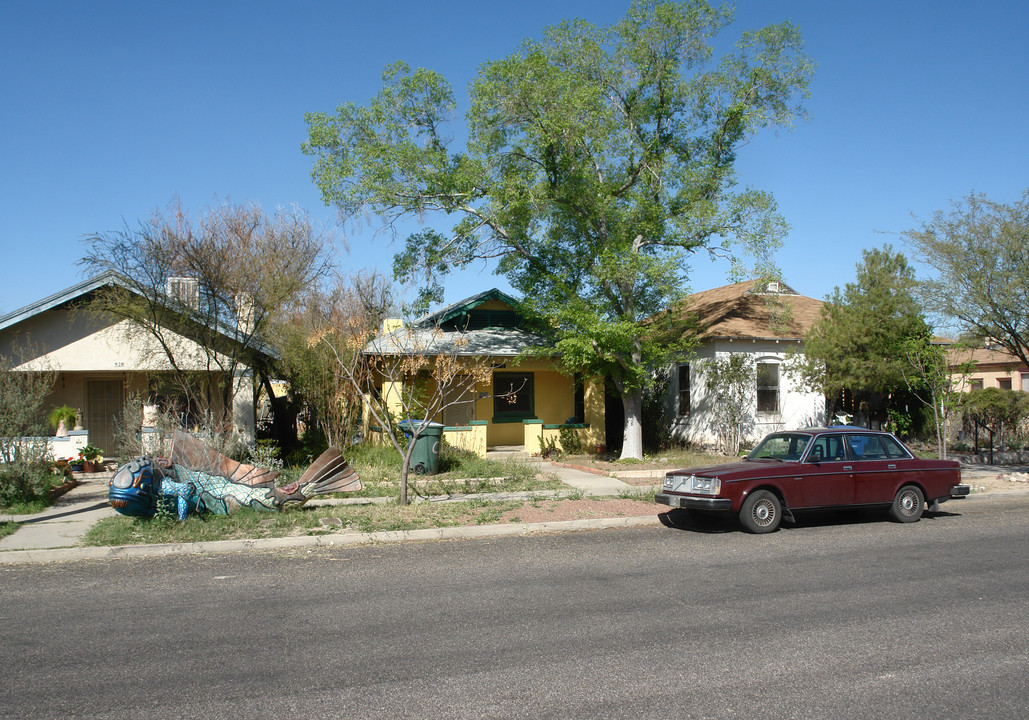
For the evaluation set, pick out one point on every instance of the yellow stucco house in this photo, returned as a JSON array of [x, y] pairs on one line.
[[504, 399]]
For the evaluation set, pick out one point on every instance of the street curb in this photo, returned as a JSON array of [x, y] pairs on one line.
[[346, 539], [334, 540]]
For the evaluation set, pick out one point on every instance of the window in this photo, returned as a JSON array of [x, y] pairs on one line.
[[513, 396], [580, 400], [767, 387], [684, 391], [459, 402], [1004, 383], [1025, 382], [866, 447], [893, 448], [827, 449], [975, 384]]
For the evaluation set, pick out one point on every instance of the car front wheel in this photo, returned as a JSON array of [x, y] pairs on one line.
[[908, 504], [761, 512]]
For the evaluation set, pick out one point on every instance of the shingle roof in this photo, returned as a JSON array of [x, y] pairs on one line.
[[741, 311], [983, 357], [59, 298], [496, 342], [89, 285]]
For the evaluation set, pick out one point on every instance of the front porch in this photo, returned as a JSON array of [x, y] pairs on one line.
[[536, 437]]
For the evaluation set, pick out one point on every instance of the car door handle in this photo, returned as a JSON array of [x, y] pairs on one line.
[[847, 467], [892, 466]]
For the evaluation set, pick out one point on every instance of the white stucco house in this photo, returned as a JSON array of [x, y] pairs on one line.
[[763, 323], [101, 359]]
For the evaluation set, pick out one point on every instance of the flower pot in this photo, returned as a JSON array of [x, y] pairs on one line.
[[88, 466]]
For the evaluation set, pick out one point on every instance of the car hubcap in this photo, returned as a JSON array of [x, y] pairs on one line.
[[907, 503], [764, 513]]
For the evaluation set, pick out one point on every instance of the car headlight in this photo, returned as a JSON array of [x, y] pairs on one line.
[[706, 486], [693, 484]]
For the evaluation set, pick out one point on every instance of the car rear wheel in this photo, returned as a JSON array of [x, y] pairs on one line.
[[761, 512], [908, 504]]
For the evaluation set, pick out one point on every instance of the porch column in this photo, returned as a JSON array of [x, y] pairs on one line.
[[394, 394], [243, 419], [593, 410]]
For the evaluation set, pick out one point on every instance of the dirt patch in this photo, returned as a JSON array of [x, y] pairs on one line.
[[995, 480], [558, 510]]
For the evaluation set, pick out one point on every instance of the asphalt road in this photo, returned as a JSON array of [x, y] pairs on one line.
[[851, 617]]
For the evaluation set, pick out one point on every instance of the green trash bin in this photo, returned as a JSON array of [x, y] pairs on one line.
[[425, 457]]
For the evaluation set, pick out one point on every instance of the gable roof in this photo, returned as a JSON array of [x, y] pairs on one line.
[[744, 311], [462, 307], [444, 333], [62, 297], [88, 286]]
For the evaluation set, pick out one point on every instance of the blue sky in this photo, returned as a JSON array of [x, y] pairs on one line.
[[108, 110]]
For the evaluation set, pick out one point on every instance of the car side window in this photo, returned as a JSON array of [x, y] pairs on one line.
[[827, 448], [894, 449], [866, 447]]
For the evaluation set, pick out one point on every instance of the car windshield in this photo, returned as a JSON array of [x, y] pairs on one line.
[[781, 446]]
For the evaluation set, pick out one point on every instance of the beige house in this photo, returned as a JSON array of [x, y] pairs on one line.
[[100, 360], [763, 323], [994, 368]]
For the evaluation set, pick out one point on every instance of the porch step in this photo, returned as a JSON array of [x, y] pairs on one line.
[[500, 452]]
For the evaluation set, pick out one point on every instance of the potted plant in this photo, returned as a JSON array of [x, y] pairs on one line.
[[63, 419], [91, 457]]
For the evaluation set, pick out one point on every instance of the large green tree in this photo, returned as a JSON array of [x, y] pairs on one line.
[[980, 252], [597, 160], [859, 341]]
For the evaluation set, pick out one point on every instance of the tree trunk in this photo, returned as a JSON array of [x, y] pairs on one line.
[[405, 468], [632, 433]]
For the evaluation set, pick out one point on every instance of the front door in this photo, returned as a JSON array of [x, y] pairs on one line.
[[104, 402]]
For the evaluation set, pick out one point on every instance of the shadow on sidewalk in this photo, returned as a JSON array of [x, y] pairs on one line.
[[67, 513]]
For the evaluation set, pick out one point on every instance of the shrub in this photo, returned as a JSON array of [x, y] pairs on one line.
[[26, 483]]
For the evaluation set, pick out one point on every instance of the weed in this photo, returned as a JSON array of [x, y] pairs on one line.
[[641, 495]]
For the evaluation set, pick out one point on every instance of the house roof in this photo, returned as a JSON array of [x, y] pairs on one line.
[[743, 311], [496, 342], [463, 306], [60, 298], [90, 285], [426, 335], [984, 358]]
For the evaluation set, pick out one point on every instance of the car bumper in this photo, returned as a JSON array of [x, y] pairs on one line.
[[960, 491], [693, 503]]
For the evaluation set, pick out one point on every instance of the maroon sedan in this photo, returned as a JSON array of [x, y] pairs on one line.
[[838, 467]]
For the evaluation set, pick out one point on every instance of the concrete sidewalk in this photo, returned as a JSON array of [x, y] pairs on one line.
[[65, 524]]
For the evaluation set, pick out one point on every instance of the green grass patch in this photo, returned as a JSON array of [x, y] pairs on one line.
[[666, 459], [253, 524], [460, 472], [646, 496], [7, 528]]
